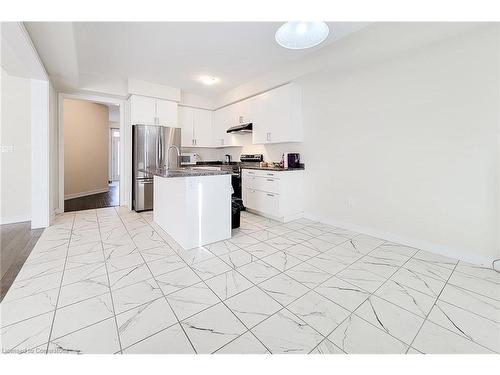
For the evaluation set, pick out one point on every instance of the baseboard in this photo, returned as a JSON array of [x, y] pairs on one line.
[[466, 256], [85, 193], [15, 219]]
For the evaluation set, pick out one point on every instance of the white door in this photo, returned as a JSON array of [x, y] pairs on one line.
[[142, 110], [114, 155], [186, 118], [166, 113], [203, 128]]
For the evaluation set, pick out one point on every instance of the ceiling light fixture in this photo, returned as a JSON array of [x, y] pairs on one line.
[[209, 80], [300, 35]]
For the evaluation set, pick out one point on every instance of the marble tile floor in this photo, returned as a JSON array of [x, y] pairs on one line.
[[110, 281]]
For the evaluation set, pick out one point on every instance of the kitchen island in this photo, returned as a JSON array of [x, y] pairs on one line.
[[193, 206]]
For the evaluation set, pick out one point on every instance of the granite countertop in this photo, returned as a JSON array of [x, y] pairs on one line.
[[183, 172], [274, 168]]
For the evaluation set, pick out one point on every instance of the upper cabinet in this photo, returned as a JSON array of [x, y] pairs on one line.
[[152, 111], [277, 115], [196, 127]]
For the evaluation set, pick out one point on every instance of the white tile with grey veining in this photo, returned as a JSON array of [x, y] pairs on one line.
[[245, 344], [298, 236], [357, 336], [228, 284], [428, 269], [210, 268], [221, 247], [160, 266], [159, 252], [480, 330], [261, 250], [280, 243], [328, 262], [238, 258], [168, 341], [258, 271], [326, 347], [81, 314], [283, 288], [129, 276], [346, 295], [284, 332], [302, 252], [308, 275], [436, 259], [481, 305], [361, 277], [318, 245], [435, 339], [243, 240], [212, 328], [84, 272], [191, 300], [29, 287], [486, 284], [143, 321], [27, 307], [417, 281], [30, 271], [252, 306], [100, 338], [196, 255], [361, 245], [134, 295], [179, 279], [81, 290], [281, 260], [407, 298], [26, 334], [320, 313], [390, 318]]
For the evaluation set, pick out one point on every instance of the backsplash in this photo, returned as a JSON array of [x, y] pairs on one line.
[[271, 152]]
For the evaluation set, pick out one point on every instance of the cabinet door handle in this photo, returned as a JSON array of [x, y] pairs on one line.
[[270, 195], [270, 180]]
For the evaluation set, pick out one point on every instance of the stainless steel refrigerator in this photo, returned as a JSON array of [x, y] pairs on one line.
[[150, 145]]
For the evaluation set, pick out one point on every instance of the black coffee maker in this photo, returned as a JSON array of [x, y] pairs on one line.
[[293, 160]]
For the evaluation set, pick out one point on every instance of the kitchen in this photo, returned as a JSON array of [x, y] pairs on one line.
[[261, 187], [306, 192]]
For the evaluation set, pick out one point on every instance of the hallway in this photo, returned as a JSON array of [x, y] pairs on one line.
[[101, 200]]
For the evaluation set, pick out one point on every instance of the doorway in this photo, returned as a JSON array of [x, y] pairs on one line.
[[91, 154]]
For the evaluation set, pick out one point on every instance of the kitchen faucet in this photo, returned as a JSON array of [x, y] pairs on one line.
[[168, 156]]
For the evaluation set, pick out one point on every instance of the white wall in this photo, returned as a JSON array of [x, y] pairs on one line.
[[407, 148], [16, 149], [53, 152]]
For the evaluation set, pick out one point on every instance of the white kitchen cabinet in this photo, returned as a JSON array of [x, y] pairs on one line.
[[229, 116], [275, 194], [186, 119], [166, 113], [277, 115], [142, 110], [151, 111], [196, 125]]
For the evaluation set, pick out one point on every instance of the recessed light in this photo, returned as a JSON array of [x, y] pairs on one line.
[[300, 35], [209, 80]]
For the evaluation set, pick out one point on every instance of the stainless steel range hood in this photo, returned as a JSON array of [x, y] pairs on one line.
[[241, 128]]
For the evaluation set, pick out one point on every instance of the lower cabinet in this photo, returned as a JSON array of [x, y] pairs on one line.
[[276, 194]]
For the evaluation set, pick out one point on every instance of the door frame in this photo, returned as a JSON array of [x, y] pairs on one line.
[[110, 154], [101, 99]]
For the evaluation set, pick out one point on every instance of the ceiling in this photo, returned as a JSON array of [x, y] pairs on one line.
[[101, 56]]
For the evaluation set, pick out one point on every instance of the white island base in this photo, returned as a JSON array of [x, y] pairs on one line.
[[194, 211]]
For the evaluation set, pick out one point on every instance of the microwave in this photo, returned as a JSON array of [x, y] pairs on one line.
[[188, 158]]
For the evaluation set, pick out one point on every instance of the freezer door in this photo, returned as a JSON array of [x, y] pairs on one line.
[[143, 195]]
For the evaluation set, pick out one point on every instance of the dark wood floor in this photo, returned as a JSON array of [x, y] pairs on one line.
[[16, 242], [101, 200]]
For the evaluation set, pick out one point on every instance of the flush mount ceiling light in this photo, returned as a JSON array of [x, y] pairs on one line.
[[209, 80], [300, 35]]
